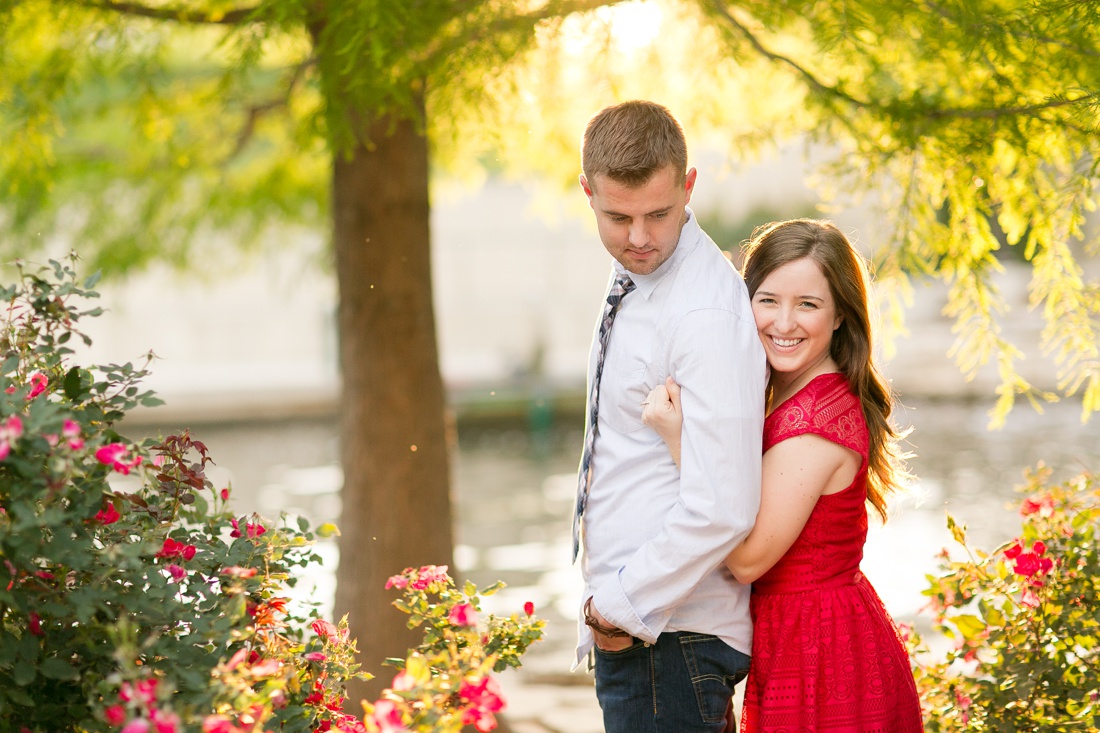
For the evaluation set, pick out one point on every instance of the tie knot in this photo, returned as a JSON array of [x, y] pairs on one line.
[[623, 285]]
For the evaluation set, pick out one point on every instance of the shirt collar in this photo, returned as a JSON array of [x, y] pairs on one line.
[[689, 240]]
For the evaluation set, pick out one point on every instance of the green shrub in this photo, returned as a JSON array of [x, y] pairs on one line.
[[1022, 621]]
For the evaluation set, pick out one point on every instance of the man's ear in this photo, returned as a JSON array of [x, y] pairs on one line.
[[689, 184], [585, 186]]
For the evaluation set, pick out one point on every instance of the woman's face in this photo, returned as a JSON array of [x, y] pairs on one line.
[[795, 318]]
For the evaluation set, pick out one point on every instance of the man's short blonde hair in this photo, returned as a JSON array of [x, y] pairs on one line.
[[631, 141]]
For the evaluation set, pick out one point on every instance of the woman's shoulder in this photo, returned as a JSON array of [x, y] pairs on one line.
[[826, 406]]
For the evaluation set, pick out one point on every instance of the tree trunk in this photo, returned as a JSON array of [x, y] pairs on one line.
[[395, 450]]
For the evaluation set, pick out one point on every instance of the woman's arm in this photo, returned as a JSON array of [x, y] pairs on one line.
[[796, 472], [662, 412]]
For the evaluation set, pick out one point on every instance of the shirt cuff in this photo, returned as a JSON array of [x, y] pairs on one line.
[[613, 605]]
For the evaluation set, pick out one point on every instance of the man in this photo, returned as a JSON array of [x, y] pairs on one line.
[[670, 625]]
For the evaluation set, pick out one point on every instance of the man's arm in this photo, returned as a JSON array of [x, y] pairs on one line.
[[718, 361]]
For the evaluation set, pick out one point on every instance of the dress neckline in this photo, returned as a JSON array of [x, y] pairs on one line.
[[802, 389]]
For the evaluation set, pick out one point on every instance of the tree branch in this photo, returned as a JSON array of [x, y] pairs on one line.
[[722, 12], [256, 111], [552, 9], [178, 14], [962, 112]]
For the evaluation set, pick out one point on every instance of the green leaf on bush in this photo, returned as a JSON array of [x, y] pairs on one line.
[[328, 529], [23, 674], [958, 531], [968, 625], [58, 669]]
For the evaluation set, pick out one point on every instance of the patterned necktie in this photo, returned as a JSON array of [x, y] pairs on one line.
[[619, 289]]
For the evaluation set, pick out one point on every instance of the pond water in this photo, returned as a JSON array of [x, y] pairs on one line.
[[513, 494]]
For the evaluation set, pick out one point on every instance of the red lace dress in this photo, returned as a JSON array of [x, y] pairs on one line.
[[825, 654]]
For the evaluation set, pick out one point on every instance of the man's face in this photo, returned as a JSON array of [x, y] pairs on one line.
[[640, 226]]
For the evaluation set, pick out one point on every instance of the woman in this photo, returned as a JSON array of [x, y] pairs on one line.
[[826, 656]]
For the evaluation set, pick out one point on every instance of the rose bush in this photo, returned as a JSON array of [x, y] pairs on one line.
[[1022, 621], [446, 682], [132, 599]]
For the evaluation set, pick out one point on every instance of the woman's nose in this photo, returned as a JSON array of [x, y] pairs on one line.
[[784, 320]]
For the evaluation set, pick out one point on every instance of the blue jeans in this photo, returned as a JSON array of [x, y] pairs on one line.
[[681, 684]]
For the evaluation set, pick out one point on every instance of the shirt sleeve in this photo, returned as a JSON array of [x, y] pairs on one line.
[[718, 361]]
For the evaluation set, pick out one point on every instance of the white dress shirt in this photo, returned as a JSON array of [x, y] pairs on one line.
[[655, 536]]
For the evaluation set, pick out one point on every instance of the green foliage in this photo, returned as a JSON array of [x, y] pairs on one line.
[[1021, 621], [217, 121], [129, 590], [986, 112]]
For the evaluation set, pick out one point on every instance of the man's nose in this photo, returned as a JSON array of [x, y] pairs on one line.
[[638, 235]]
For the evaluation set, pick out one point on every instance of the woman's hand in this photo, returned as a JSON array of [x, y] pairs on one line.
[[662, 411]]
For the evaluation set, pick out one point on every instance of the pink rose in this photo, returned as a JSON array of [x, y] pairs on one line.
[[386, 717], [172, 548], [165, 721], [141, 725], [218, 724], [109, 515], [38, 385], [463, 614], [116, 456], [325, 630], [267, 668], [484, 699], [115, 715], [236, 571], [403, 681], [71, 433], [429, 574], [529, 608], [10, 430]]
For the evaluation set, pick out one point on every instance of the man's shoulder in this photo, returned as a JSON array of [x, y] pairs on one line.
[[707, 279]]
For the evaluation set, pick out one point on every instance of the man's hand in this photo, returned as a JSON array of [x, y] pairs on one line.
[[603, 641]]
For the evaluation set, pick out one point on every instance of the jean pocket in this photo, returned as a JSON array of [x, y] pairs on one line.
[[638, 644], [715, 669]]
